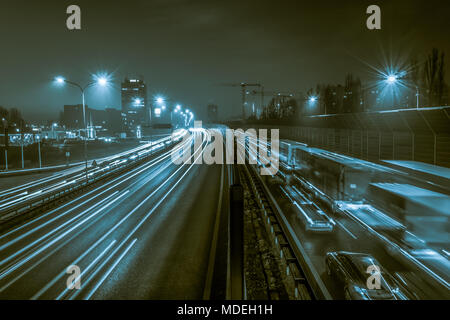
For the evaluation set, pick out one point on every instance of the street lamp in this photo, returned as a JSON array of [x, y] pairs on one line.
[[5, 126], [391, 79], [98, 80]]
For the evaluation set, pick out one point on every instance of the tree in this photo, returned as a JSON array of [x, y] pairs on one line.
[[3, 113], [352, 94], [433, 77], [15, 117]]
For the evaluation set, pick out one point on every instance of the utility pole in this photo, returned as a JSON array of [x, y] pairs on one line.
[[5, 125], [417, 97], [85, 135], [39, 150], [21, 141]]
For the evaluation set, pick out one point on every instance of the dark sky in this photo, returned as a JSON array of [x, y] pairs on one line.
[[185, 49]]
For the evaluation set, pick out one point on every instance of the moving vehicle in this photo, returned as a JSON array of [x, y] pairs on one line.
[[314, 219], [353, 270], [370, 217], [288, 153], [330, 176]]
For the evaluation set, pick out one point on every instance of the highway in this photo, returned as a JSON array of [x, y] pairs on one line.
[[147, 232], [427, 280], [144, 234]]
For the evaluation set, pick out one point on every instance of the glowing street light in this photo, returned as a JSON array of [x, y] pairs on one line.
[[160, 100], [312, 99], [101, 80], [391, 79]]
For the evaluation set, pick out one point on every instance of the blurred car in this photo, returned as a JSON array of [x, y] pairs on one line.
[[351, 270]]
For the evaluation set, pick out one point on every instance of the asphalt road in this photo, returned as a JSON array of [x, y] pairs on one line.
[[144, 235], [346, 236]]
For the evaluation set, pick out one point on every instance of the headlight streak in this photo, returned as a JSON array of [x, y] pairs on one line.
[[85, 270], [16, 195], [22, 236], [60, 175], [132, 174], [161, 158], [28, 185], [157, 205], [9, 269], [255, 155], [89, 295], [121, 181]]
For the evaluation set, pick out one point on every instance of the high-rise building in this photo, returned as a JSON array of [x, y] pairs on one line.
[[72, 117], [135, 106]]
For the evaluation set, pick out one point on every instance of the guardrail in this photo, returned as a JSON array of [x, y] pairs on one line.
[[104, 170], [299, 268], [12, 173]]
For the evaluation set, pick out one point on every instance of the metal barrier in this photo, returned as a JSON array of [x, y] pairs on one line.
[[110, 169], [405, 134]]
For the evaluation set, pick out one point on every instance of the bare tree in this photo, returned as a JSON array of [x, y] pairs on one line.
[[3, 113], [441, 80], [434, 77]]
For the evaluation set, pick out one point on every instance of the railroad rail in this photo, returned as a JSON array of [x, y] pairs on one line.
[[299, 268]]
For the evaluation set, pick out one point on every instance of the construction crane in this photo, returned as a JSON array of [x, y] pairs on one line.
[[244, 86]]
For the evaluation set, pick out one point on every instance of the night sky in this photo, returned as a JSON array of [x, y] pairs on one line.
[[186, 49]]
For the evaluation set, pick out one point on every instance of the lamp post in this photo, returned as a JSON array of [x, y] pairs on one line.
[[5, 125], [391, 81], [39, 150], [312, 100], [175, 109], [417, 96], [102, 81], [22, 135]]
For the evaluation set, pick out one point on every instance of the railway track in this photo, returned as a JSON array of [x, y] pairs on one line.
[[306, 281]]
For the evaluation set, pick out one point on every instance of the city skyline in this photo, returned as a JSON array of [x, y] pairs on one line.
[[287, 34], [230, 157]]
